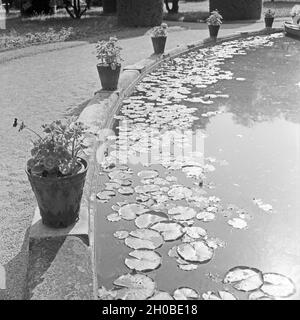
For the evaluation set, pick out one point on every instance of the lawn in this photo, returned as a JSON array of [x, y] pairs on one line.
[[22, 32]]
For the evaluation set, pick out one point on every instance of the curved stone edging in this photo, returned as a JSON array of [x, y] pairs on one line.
[[99, 112]]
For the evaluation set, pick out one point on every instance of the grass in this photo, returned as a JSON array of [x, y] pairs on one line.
[[23, 32]]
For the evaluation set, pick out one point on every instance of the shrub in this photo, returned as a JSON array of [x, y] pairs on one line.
[[140, 13], [237, 9]]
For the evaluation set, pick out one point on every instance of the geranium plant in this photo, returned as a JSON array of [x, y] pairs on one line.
[[159, 31], [109, 52], [270, 13], [215, 19], [55, 152], [295, 10]]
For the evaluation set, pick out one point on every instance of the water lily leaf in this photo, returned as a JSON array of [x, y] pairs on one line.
[[195, 232], [161, 295], [104, 294], [197, 251], [215, 243], [144, 239], [119, 175], [188, 267], [238, 223], [185, 293], [131, 210], [263, 206], [173, 252], [123, 182], [126, 191], [148, 174], [170, 231], [105, 195], [113, 217], [148, 188], [121, 234], [112, 185], [206, 216], [182, 213], [221, 295], [179, 193], [259, 295], [149, 218], [244, 278], [143, 260], [277, 285], [134, 287]]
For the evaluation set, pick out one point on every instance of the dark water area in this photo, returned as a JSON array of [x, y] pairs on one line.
[[251, 137]]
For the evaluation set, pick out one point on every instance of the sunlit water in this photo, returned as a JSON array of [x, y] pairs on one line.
[[251, 139]]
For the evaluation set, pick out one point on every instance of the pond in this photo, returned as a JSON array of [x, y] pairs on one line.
[[199, 190]]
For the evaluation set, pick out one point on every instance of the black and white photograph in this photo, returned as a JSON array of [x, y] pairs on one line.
[[150, 150]]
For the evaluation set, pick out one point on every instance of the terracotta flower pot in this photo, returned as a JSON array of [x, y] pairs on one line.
[[109, 77], [269, 22], [213, 30], [59, 198], [159, 44]]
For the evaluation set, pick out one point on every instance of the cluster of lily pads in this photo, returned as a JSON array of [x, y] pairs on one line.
[[154, 127]]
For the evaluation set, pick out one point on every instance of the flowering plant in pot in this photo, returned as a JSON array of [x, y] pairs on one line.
[[269, 18], [214, 22], [159, 38], [56, 171], [109, 65], [295, 13]]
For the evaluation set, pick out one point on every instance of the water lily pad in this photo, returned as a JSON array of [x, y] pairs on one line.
[[121, 234], [119, 174], [112, 185], [221, 295], [161, 295], [244, 278], [149, 218], [148, 174], [197, 251], [113, 217], [148, 188], [131, 210], [144, 239], [126, 191], [182, 213], [238, 223], [206, 216], [179, 193], [263, 206], [215, 243], [143, 260], [195, 232], [170, 231], [105, 195], [185, 293], [134, 287], [188, 267], [277, 285], [259, 295]]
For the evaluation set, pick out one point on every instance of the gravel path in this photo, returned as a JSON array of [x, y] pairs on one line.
[[39, 89]]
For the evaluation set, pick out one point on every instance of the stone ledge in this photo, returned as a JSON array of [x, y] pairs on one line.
[[60, 269], [39, 231]]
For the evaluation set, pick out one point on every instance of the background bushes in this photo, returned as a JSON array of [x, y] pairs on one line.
[[237, 9], [140, 13]]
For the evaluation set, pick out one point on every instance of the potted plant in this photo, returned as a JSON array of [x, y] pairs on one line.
[[159, 38], [56, 172], [269, 18], [214, 22], [295, 13], [109, 66]]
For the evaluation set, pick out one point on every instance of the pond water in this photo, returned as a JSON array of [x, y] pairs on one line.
[[206, 154]]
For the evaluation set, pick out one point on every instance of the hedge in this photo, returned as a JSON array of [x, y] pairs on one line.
[[237, 9], [140, 13]]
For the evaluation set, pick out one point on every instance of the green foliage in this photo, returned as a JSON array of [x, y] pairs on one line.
[[13, 40], [108, 52], [55, 152], [215, 19], [237, 9], [140, 13]]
